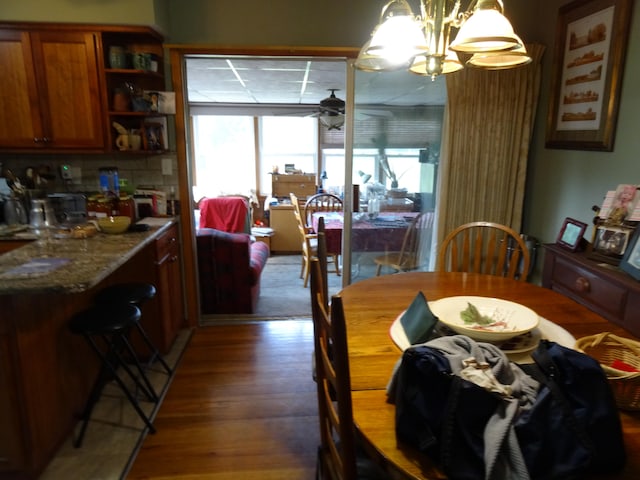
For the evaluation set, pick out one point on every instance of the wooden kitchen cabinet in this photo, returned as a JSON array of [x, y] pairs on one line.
[[169, 290], [46, 371], [603, 288], [50, 97]]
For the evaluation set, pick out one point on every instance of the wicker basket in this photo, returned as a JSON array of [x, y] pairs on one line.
[[607, 348]]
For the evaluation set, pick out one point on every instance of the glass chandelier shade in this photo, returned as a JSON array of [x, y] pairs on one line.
[[432, 65], [485, 31], [423, 44], [500, 60], [398, 38]]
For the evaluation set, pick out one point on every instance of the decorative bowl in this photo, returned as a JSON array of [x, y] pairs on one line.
[[115, 225], [485, 319]]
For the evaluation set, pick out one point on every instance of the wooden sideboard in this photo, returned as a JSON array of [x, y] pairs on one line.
[[302, 186], [603, 288], [286, 237]]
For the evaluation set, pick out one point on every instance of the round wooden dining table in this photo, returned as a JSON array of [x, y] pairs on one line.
[[371, 306]]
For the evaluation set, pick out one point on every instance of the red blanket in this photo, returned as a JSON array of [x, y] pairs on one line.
[[228, 214]]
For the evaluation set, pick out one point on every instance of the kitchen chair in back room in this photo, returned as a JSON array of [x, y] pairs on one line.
[[323, 202], [485, 247], [416, 240], [309, 240], [339, 456]]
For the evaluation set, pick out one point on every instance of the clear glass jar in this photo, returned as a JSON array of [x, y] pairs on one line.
[[126, 207], [373, 207]]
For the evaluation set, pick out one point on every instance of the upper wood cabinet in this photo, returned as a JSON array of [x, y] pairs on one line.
[[50, 90]]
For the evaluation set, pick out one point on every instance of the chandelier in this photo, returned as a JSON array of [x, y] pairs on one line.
[[424, 45]]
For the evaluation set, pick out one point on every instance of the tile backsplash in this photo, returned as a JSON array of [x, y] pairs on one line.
[[158, 171]]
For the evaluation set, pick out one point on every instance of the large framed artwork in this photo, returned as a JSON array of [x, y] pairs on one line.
[[590, 47]]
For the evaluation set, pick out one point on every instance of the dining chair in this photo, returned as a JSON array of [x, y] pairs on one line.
[[323, 202], [321, 254], [485, 247], [339, 454], [416, 238], [309, 240]]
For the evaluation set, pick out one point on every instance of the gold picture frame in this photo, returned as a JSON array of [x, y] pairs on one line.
[[590, 48]]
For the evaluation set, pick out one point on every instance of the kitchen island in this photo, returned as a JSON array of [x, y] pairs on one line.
[[46, 372]]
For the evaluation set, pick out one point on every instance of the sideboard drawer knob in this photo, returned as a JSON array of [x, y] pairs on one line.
[[582, 284]]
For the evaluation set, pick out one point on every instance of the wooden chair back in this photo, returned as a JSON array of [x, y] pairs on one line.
[[485, 247], [302, 227], [321, 202], [418, 232], [322, 255], [337, 452], [416, 239], [309, 244]]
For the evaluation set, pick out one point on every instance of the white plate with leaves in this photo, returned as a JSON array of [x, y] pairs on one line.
[[485, 319]]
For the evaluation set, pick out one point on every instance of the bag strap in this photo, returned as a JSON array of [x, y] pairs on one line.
[[448, 421], [546, 372]]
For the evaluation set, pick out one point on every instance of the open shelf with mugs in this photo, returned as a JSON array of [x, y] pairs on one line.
[[134, 79]]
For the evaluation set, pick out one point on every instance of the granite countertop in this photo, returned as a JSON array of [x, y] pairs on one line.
[[73, 265]]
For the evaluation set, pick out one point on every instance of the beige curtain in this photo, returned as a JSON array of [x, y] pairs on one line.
[[488, 125]]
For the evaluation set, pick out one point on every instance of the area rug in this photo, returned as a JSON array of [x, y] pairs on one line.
[[282, 294], [115, 432]]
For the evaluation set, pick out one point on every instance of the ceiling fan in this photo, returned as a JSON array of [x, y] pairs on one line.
[[331, 113]]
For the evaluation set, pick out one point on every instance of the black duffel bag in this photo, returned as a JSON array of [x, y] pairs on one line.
[[570, 426]]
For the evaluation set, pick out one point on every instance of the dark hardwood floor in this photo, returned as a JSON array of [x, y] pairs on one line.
[[242, 405]]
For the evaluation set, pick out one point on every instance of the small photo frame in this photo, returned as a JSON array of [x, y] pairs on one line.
[[570, 236], [630, 262], [610, 243], [153, 136]]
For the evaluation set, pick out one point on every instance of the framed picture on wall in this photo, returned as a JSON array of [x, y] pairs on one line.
[[571, 233], [630, 262], [590, 48]]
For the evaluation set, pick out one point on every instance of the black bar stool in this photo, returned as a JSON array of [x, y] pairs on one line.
[[133, 293], [106, 329]]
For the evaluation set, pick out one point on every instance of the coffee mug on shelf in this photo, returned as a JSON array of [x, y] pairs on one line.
[[122, 142], [140, 61], [117, 57], [135, 141]]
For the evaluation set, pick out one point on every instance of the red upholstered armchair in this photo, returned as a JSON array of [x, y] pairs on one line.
[[229, 270], [229, 214]]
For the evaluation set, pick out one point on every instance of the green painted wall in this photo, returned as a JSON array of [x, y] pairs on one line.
[[561, 182], [134, 12]]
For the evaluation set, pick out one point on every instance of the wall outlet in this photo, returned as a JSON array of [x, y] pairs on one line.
[[167, 168], [65, 172]]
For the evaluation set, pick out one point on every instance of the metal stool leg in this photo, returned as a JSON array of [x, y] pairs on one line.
[[155, 354], [109, 370]]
